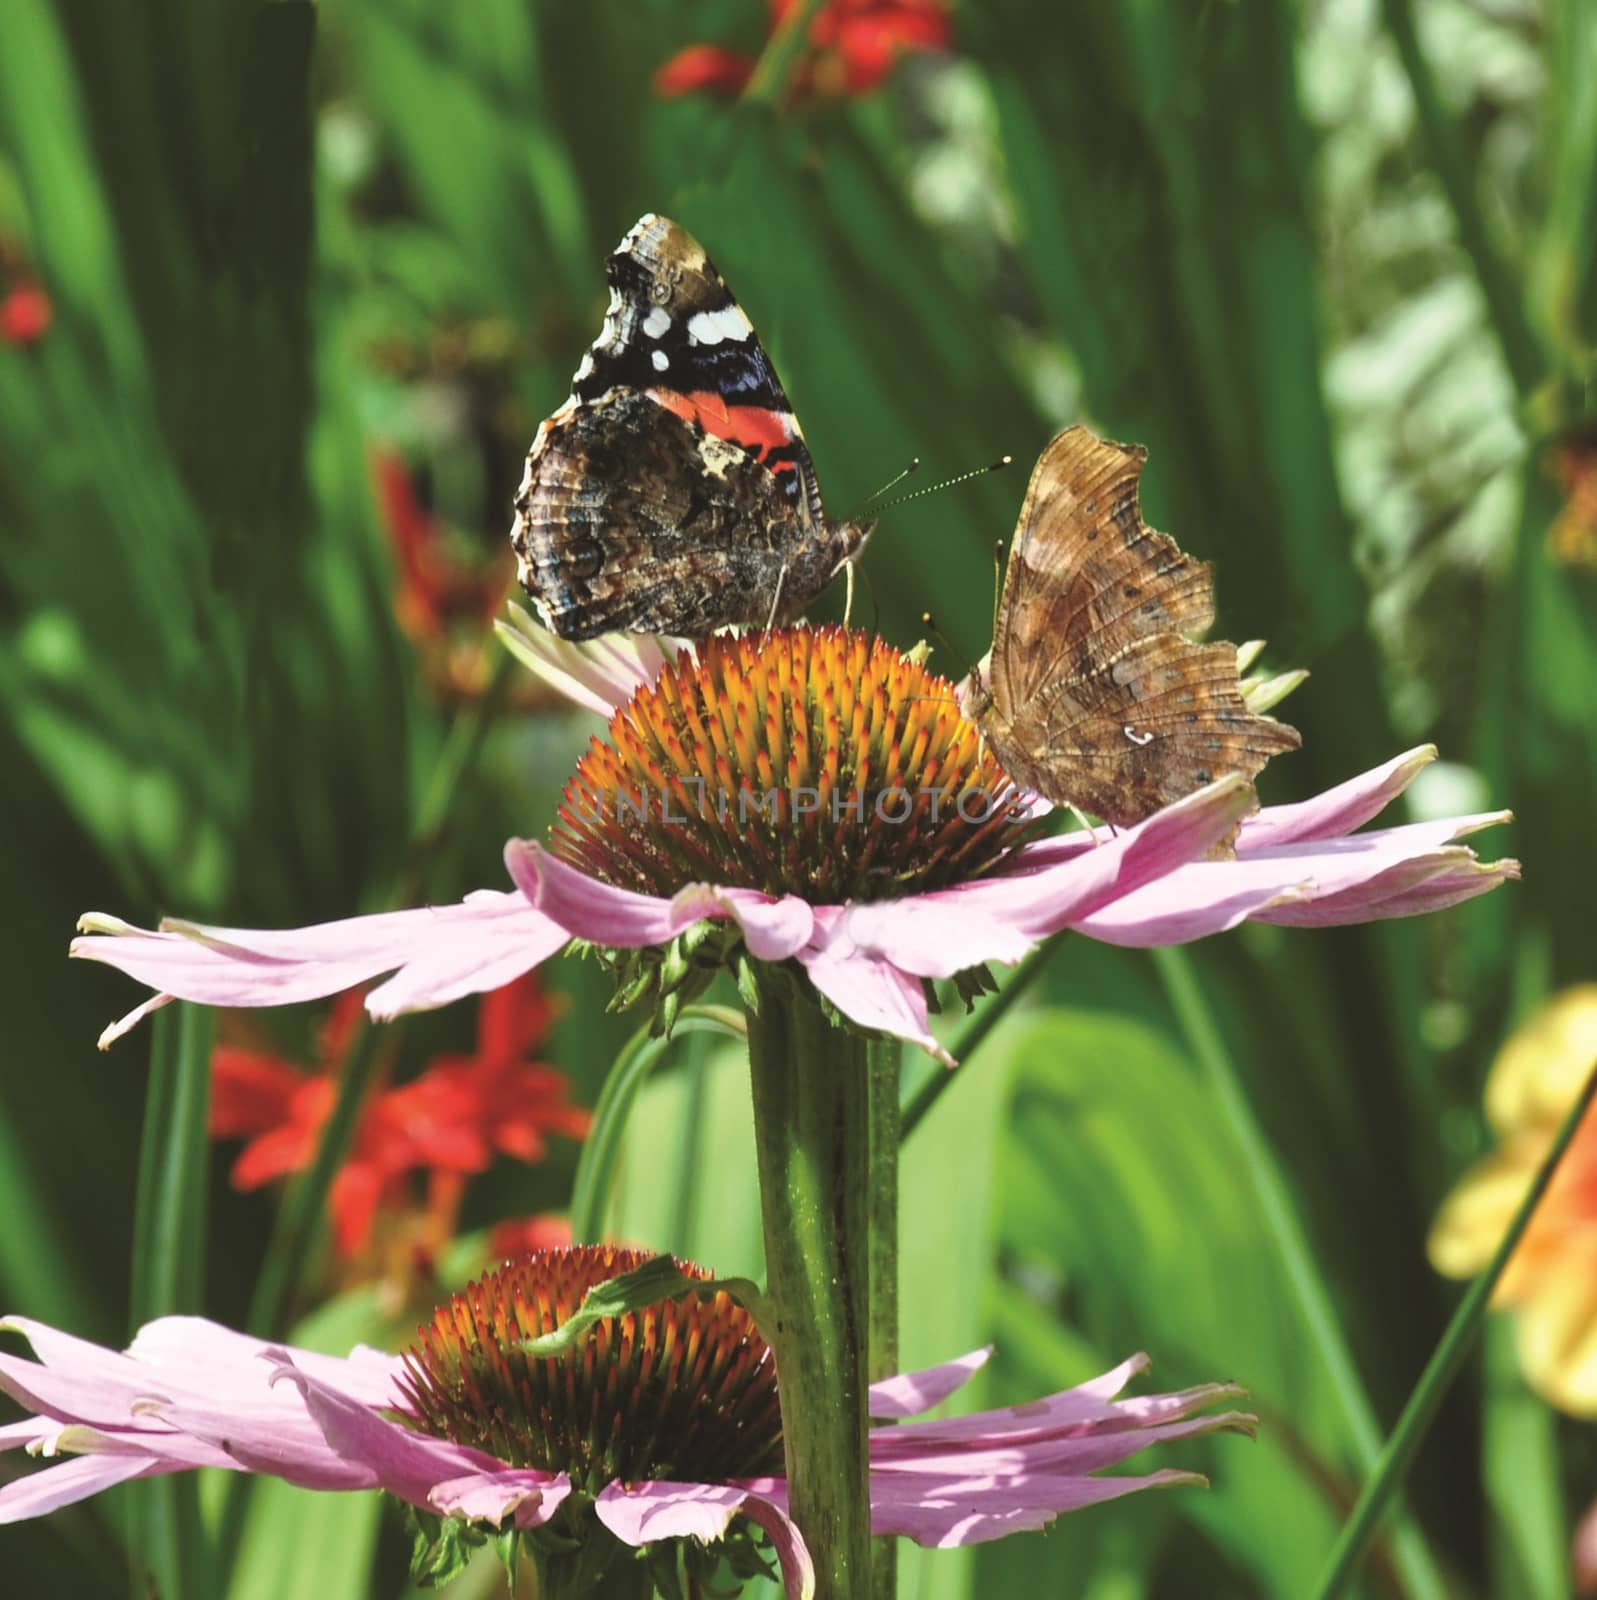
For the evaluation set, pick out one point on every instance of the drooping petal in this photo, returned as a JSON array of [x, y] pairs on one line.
[[412, 1465], [39, 1493], [639, 1514], [774, 927], [871, 991], [443, 952]]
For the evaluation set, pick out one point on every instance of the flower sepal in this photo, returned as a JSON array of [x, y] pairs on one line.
[[440, 1547], [674, 974], [682, 1568]]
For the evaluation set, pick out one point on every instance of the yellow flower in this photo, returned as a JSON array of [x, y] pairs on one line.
[[1551, 1281]]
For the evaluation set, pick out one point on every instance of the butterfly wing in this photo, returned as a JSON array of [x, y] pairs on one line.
[[1098, 700], [673, 491]]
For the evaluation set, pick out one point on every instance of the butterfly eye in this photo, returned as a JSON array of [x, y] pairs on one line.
[[660, 291]]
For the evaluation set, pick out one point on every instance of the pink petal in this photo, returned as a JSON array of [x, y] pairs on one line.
[[587, 909], [1193, 902], [773, 927], [207, 1354], [931, 937], [498, 931], [641, 1513], [40, 1493], [873, 993], [1408, 890], [1338, 811], [406, 1463], [532, 1496], [910, 1393], [1051, 890], [1043, 1452], [976, 1513], [509, 939], [600, 675]]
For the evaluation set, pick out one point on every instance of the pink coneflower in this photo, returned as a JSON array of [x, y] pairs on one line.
[[815, 797], [687, 1440]]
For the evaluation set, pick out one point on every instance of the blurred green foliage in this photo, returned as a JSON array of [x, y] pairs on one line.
[[1333, 262]]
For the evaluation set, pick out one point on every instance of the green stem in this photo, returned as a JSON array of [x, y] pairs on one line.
[[1398, 1455], [1521, 352], [885, 1058], [811, 1134], [300, 1216], [1413, 1560], [772, 70], [970, 1037], [600, 1567]]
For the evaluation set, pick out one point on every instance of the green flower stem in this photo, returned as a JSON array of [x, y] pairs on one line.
[[600, 1567], [1398, 1455], [811, 1087], [987, 1017], [885, 1063], [300, 1217], [1418, 1571]]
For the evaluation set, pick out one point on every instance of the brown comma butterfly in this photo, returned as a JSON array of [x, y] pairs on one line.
[[1092, 695]]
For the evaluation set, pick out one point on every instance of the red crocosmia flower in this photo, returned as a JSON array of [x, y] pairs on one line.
[[445, 599], [448, 1123], [25, 314], [706, 67], [465, 1109], [852, 46]]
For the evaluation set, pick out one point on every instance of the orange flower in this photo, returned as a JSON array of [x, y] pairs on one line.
[[1551, 1281], [448, 1123], [851, 48], [445, 600], [1572, 538]]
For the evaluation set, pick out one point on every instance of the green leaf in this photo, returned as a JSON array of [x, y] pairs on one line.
[[168, 1267], [656, 1280], [591, 1189]]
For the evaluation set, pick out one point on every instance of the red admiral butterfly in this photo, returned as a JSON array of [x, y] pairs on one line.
[[673, 493]]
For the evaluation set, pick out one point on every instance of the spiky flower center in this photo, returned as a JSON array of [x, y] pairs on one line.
[[684, 1390], [811, 761]]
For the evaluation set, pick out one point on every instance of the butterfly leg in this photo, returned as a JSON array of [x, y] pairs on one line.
[[776, 603], [1081, 818], [848, 592]]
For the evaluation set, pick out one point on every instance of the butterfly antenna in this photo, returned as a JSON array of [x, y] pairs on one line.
[[998, 581], [948, 483], [892, 483], [929, 623]]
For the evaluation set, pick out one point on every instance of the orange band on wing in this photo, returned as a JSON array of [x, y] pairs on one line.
[[756, 427]]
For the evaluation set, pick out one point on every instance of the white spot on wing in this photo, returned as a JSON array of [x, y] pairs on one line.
[[660, 359], [711, 327], [657, 321], [586, 369]]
